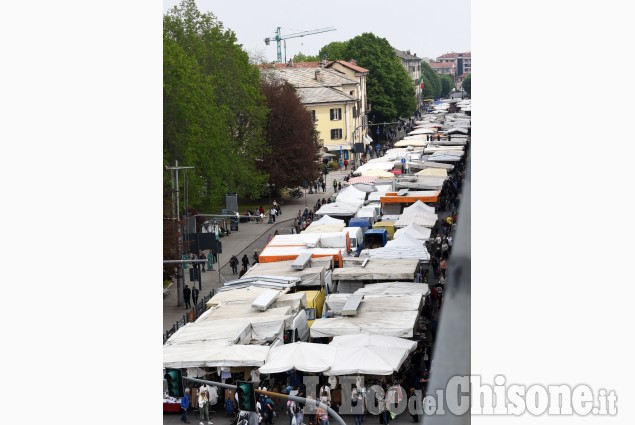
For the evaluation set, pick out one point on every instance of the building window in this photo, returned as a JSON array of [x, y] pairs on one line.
[[313, 117], [354, 112], [336, 133], [336, 114]]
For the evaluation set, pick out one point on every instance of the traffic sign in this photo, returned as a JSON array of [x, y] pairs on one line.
[[403, 160]]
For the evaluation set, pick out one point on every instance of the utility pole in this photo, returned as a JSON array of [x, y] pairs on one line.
[[176, 207]]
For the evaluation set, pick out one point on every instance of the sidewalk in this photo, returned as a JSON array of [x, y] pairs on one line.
[[249, 237]]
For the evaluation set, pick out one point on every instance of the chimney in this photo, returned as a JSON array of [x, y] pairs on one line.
[[290, 63], [323, 63], [353, 61], [318, 76]]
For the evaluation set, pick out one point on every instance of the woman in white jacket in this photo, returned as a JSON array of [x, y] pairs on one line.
[[203, 406]]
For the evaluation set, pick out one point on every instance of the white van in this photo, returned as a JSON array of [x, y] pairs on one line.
[[356, 235], [299, 330], [369, 212]]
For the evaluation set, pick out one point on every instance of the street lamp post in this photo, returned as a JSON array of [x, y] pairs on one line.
[[270, 186]]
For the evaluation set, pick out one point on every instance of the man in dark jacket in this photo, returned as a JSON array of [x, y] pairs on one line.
[[194, 294], [186, 294], [233, 262], [245, 261]]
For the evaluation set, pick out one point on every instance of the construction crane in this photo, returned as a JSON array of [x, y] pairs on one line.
[[278, 38]]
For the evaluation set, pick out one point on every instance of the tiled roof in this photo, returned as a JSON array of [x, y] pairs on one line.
[[305, 77], [440, 65], [454, 55], [310, 95], [350, 65]]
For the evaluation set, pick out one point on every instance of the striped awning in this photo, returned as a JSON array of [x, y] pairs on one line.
[[362, 179]]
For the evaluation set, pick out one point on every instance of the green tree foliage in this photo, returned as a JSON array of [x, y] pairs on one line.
[[213, 110], [301, 57], [433, 78], [428, 89], [333, 51], [291, 137], [447, 84], [467, 84], [389, 87]]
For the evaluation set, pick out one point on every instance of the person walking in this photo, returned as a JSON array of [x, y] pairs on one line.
[[334, 185], [272, 215], [355, 401], [444, 249], [194, 294], [203, 407], [255, 257], [444, 268], [186, 294], [202, 256], [185, 404], [339, 186], [233, 262], [346, 164], [323, 186], [245, 261]]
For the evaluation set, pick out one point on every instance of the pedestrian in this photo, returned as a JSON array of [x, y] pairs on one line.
[[346, 164], [185, 403], [233, 262], [186, 294], [315, 186], [276, 205], [242, 272], [434, 262], [339, 186], [322, 416], [272, 215], [444, 268], [245, 261], [450, 242], [323, 187], [334, 185], [202, 256], [203, 407], [194, 295], [444, 249], [355, 400]]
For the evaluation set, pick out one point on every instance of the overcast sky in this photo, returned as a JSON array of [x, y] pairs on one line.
[[428, 28]]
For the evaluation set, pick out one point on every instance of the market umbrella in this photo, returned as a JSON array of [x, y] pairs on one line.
[[369, 360], [304, 356], [328, 155]]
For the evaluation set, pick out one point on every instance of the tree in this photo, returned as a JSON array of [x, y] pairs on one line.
[[300, 57], [389, 87], [213, 111], [447, 84], [467, 84], [433, 78], [291, 136], [333, 51]]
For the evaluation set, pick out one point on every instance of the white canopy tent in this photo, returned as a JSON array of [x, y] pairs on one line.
[[419, 207], [415, 231], [210, 354], [370, 340]]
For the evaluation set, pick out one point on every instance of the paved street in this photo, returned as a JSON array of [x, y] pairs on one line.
[[249, 237], [219, 419]]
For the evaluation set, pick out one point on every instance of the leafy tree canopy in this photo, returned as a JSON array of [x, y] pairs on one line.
[[447, 84], [389, 87], [467, 84], [301, 57], [291, 136], [213, 111], [333, 51], [433, 78]]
